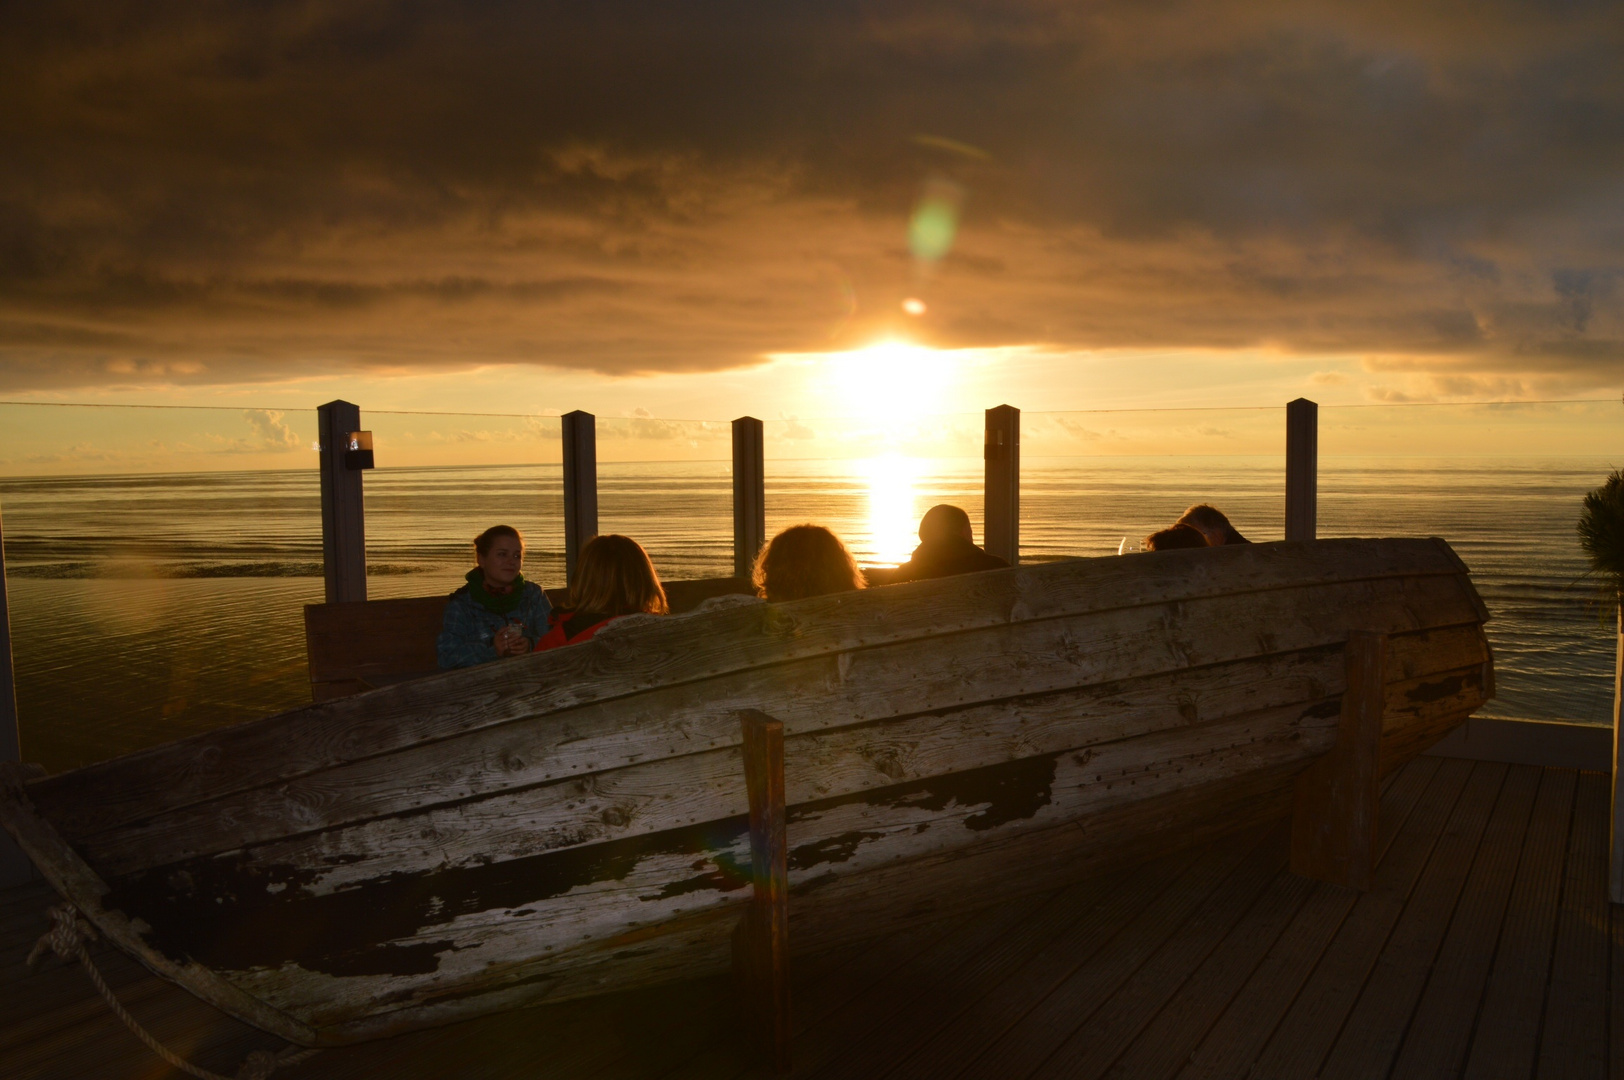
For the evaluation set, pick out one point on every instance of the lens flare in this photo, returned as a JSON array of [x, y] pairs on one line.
[[914, 306], [935, 220]]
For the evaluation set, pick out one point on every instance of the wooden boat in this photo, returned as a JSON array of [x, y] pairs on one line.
[[574, 822]]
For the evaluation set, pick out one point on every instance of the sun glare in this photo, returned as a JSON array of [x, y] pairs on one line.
[[894, 379]]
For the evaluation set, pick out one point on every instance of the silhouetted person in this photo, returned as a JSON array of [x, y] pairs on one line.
[[947, 546], [1211, 523], [1178, 536], [804, 561]]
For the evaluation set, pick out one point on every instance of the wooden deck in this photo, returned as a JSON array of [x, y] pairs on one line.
[[1487, 948]]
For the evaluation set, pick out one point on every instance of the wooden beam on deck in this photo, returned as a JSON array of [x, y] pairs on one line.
[[1333, 818], [761, 940], [343, 526], [749, 494], [1001, 529], [580, 485], [1302, 469]]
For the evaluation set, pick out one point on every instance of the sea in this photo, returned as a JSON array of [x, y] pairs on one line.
[[145, 608]]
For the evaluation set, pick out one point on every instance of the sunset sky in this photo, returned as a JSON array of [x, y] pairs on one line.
[[810, 211]]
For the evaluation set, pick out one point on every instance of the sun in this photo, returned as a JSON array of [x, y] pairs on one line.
[[895, 379]]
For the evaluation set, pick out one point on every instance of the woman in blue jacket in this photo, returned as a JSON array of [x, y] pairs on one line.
[[498, 613]]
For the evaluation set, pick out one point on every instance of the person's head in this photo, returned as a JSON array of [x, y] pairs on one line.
[[613, 576], [499, 551], [1211, 523], [1179, 536], [944, 522], [803, 561]]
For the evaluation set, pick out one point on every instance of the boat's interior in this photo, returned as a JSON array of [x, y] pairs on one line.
[[358, 646]]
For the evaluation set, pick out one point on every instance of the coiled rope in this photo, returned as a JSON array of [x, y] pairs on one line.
[[67, 936]]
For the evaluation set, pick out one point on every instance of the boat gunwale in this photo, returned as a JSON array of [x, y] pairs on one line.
[[113, 834], [324, 711], [1104, 687]]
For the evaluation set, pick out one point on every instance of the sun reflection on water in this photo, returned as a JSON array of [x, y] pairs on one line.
[[893, 519]]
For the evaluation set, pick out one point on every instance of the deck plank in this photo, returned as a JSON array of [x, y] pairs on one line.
[[100, 1045], [882, 1026], [993, 1009], [1166, 1043], [1169, 1042], [1104, 1036], [1309, 1029], [1507, 1034], [1376, 1026], [1573, 1044], [814, 999], [1234, 1041], [1051, 1018], [1440, 1032]]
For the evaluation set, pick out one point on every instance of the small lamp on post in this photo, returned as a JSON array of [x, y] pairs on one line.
[[358, 451]]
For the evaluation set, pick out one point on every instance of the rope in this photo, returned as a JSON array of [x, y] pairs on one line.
[[67, 936]]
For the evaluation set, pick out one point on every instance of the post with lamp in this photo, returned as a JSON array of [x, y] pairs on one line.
[[580, 485], [749, 495], [14, 865], [1302, 469], [1001, 531], [346, 451]]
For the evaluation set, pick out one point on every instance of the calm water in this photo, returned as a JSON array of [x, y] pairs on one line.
[[149, 607]]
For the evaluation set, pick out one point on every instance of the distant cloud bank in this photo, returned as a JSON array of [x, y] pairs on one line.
[[237, 193]]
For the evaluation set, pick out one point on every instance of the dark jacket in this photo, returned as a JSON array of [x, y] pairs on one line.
[[471, 621], [944, 558]]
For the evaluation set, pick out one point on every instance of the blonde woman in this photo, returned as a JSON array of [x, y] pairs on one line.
[[613, 578]]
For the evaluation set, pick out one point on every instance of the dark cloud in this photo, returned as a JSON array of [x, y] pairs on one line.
[[207, 193]]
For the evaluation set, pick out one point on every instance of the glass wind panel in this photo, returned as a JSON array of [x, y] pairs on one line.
[[1503, 484]]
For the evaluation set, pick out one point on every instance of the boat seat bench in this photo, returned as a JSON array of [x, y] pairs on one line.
[[363, 645]]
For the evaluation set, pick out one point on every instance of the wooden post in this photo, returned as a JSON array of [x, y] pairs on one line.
[[1001, 530], [580, 485], [14, 865], [1302, 469], [343, 528], [761, 940], [1615, 847], [749, 495], [1333, 818]]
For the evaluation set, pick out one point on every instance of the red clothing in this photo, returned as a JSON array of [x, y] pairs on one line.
[[572, 628]]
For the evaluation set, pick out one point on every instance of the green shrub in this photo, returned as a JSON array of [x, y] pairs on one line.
[[1601, 535]]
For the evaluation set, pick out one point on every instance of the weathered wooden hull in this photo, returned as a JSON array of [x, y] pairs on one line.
[[574, 822]]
